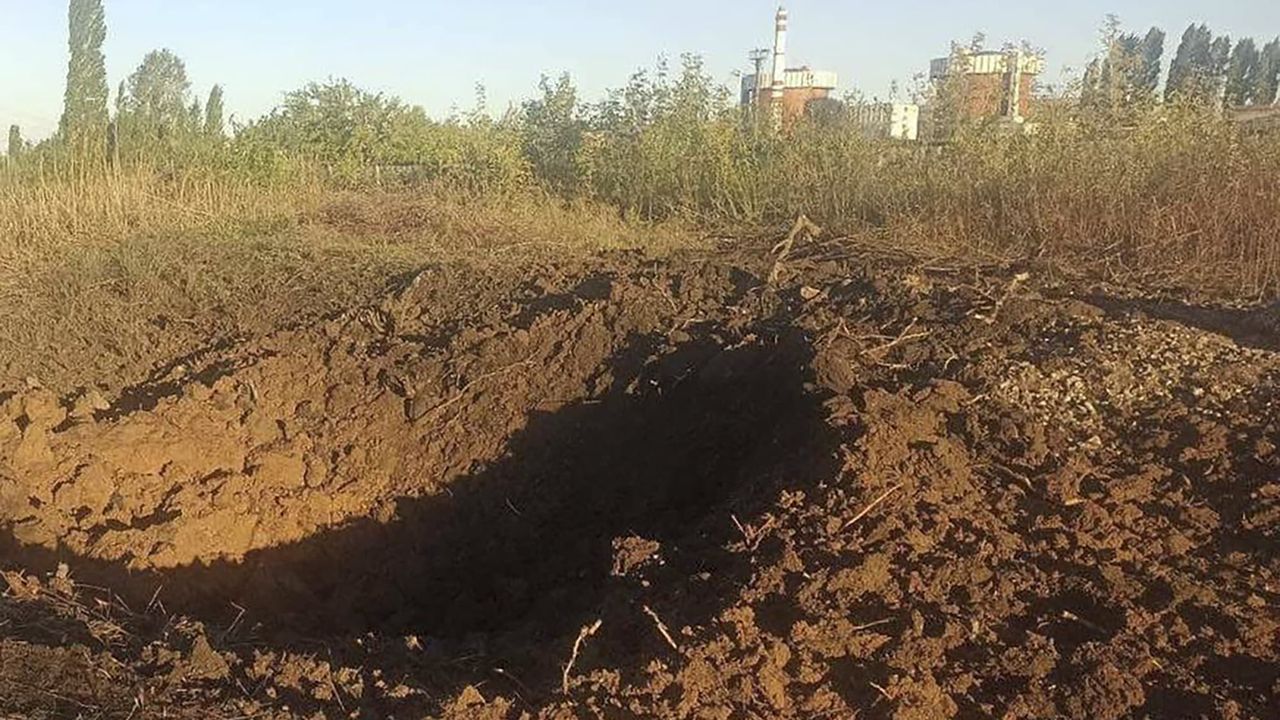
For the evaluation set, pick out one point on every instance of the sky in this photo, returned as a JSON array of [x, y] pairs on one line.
[[433, 53]]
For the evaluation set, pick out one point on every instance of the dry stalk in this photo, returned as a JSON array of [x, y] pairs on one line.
[[783, 249], [586, 632], [662, 628], [1008, 292], [872, 506], [905, 336], [467, 387]]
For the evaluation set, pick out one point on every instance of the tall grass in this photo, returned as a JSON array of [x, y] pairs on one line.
[[1171, 195], [40, 209]]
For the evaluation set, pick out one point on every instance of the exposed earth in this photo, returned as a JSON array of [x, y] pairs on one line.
[[710, 486]]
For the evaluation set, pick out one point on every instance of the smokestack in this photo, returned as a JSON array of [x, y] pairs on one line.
[[779, 60]]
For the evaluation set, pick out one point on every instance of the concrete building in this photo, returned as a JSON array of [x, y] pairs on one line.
[[897, 121], [784, 91], [993, 83]]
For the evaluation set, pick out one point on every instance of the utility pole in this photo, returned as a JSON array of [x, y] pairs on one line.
[[756, 58]]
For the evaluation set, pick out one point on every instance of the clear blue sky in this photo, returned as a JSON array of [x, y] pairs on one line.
[[432, 53]]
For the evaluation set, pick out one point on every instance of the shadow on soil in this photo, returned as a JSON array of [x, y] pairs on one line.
[[513, 559], [1247, 328]]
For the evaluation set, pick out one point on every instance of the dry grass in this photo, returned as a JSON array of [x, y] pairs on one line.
[[102, 277], [105, 279]]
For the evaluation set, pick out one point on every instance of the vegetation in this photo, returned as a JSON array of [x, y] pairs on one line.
[[84, 120], [1123, 183]]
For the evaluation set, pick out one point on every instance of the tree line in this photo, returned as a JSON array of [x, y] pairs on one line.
[[155, 114], [1205, 69]]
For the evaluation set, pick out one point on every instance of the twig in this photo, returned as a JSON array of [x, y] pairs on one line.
[[465, 388], [1008, 292], [155, 596], [231, 628], [904, 336], [868, 626], [662, 628], [783, 249], [333, 686], [751, 536], [508, 675], [874, 503], [586, 632]]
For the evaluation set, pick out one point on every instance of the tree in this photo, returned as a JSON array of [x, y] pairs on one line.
[[342, 125], [84, 117], [195, 116], [553, 132], [1268, 76], [1242, 73], [1187, 72], [1219, 59], [156, 93], [1090, 86], [1150, 54], [1129, 71], [214, 125], [16, 145]]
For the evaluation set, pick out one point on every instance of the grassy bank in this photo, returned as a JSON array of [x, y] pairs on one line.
[[104, 272], [102, 279]]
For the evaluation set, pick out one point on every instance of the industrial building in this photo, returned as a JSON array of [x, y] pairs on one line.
[[888, 120], [993, 83], [779, 90]]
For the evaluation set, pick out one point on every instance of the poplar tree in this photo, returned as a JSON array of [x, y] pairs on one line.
[[1242, 73], [1190, 62], [16, 146], [1150, 54], [1268, 76], [84, 118], [1219, 59], [213, 114]]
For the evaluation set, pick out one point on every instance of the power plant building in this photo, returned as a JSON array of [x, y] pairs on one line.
[[887, 120], [993, 83], [781, 90]]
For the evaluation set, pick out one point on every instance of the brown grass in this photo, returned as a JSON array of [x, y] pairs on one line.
[[108, 278]]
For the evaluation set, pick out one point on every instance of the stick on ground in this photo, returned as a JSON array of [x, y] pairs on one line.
[[783, 249], [662, 628], [874, 503], [586, 632]]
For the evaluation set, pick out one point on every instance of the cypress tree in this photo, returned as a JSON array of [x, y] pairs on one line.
[[1090, 84], [1216, 69], [1150, 53], [213, 114], [195, 116], [1187, 72], [1242, 73], [16, 146], [84, 119], [1268, 76]]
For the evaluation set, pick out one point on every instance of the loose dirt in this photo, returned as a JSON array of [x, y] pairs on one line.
[[866, 489]]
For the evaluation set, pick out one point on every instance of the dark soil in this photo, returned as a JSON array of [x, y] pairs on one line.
[[864, 490]]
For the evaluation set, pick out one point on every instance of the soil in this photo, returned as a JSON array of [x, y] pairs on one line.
[[622, 487]]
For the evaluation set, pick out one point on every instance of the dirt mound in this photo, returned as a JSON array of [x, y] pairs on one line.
[[630, 488]]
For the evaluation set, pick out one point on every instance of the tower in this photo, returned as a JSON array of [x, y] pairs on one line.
[[778, 89]]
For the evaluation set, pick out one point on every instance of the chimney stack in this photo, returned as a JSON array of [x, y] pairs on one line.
[[779, 60]]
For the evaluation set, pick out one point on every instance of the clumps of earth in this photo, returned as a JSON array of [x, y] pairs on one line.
[[707, 486]]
